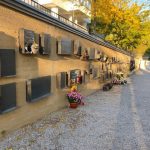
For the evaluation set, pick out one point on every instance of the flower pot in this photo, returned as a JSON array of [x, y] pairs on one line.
[[73, 105]]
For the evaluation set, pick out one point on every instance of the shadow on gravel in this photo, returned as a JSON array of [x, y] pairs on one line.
[[141, 86], [133, 123], [125, 137]]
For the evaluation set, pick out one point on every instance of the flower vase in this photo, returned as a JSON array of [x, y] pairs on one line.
[[73, 105]]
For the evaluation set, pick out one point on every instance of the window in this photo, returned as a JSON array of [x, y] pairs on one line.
[[7, 97], [7, 63]]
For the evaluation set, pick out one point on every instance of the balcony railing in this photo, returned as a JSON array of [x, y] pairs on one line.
[[40, 12], [49, 12]]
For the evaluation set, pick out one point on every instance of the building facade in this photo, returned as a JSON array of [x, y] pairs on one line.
[[75, 11]]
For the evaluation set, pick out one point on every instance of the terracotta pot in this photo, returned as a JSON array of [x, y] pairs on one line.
[[73, 105]]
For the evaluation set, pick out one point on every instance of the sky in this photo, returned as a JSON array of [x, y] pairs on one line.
[[139, 1], [44, 1], [143, 1]]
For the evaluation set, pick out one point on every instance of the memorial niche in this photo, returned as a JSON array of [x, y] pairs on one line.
[[132, 64], [7, 62], [28, 42], [102, 66], [77, 48], [79, 51], [116, 60], [113, 59], [107, 75], [110, 75], [91, 53], [38, 88], [45, 44], [62, 79], [64, 47], [7, 97], [97, 54], [83, 74], [102, 77], [85, 54], [91, 67], [109, 60], [95, 72], [75, 77], [103, 57]]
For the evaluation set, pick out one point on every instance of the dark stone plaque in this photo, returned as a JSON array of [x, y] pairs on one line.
[[65, 47], [28, 42], [38, 88], [7, 97], [91, 53], [45, 44], [7, 62]]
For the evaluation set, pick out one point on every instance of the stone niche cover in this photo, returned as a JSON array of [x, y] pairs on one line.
[[38, 88], [45, 44], [28, 42], [77, 48], [7, 97], [7, 62], [75, 76], [64, 46], [95, 73], [91, 52], [62, 80], [97, 54]]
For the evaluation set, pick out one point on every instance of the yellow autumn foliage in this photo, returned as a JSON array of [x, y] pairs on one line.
[[120, 21]]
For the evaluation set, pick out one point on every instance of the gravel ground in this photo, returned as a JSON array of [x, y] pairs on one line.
[[113, 120]]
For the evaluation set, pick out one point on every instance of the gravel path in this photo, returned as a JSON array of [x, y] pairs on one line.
[[114, 120]]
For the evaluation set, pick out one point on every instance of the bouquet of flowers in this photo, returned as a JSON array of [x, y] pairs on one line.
[[74, 97]]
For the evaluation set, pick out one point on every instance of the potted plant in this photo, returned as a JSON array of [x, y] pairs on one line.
[[74, 98]]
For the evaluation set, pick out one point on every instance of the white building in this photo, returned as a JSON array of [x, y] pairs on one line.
[[70, 9]]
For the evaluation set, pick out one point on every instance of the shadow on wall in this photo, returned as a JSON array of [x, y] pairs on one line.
[[7, 41], [23, 63], [7, 48], [125, 121]]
